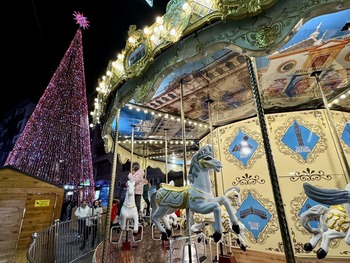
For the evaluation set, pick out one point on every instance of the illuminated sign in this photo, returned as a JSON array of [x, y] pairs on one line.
[[40, 203]]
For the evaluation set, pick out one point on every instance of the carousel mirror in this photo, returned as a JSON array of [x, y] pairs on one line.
[[286, 81]]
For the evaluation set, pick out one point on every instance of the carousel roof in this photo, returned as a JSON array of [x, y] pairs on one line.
[[199, 74]]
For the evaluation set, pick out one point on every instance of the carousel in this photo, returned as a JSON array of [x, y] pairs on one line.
[[248, 99]]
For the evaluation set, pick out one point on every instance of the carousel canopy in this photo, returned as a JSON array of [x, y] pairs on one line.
[[182, 77]]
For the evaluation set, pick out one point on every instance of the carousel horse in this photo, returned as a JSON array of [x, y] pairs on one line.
[[197, 197], [201, 220], [334, 221], [129, 209]]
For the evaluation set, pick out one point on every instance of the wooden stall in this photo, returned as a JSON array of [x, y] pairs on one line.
[[27, 205]]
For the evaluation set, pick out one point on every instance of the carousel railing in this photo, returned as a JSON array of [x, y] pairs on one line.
[[61, 242]]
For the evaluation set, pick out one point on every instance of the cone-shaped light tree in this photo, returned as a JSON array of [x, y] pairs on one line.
[[55, 143]]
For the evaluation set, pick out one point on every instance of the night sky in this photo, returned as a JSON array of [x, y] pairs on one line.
[[40, 32]]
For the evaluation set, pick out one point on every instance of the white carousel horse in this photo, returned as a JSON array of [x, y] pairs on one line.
[[201, 220], [129, 209], [198, 196], [334, 221], [173, 219]]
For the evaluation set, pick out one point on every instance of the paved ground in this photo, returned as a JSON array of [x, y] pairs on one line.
[[86, 259]]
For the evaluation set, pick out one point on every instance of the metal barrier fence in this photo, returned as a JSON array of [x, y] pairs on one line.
[[62, 242]]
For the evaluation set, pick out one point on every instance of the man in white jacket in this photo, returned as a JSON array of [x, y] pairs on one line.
[[81, 213]]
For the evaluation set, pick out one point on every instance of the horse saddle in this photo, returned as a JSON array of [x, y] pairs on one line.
[[173, 196]]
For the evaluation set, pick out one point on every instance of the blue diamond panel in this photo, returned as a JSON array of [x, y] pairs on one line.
[[315, 220], [243, 147], [346, 134], [253, 215], [300, 139]]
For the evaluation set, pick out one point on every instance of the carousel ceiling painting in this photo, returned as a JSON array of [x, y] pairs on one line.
[[315, 62]]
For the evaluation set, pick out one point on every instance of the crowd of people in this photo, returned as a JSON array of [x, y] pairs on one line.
[[88, 216], [88, 221]]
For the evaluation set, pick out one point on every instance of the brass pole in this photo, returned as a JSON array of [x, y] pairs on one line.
[[185, 168], [183, 132], [132, 146], [144, 152], [111, 190], [209, 102], [287, 243], [146, 158], [166, 155]]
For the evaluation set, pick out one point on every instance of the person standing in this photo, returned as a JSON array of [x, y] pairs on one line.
[[66, 210], [137, 175], [92, 221], [81, 213], [145, 195]]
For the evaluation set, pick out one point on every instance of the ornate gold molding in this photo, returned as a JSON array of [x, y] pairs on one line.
[[137, 55], [236, 9]]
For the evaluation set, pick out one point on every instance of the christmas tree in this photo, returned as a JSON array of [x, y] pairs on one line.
[[55, 143]]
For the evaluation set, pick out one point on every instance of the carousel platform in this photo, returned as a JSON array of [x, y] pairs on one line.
[[148, 248]]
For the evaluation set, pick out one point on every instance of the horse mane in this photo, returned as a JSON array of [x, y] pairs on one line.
[[201, 153], [191, 173], [327, 196]]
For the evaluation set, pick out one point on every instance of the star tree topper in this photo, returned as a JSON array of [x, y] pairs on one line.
[[81, 20]]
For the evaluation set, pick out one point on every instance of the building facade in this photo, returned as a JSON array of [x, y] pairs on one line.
[[12, 125]]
